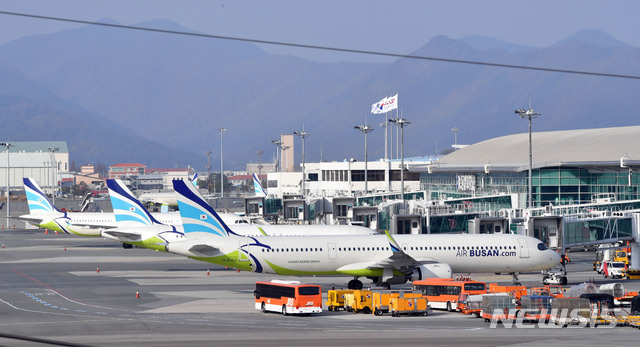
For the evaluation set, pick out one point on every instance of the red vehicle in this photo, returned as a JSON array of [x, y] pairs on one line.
[[288, 297], [443, 293]]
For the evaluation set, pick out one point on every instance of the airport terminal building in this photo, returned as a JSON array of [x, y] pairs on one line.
[[568, 167]]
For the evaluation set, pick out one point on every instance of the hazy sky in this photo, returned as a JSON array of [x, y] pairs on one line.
[[389, 26]]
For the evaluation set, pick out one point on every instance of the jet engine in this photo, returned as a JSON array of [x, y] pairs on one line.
[[437, 270]]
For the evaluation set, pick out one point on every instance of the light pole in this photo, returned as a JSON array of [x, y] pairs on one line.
[[302, 134], [7, 145], [455, 137], [401, 122], [530, 114], [54, 165], [365, 129], [222, 130], [260, 165], [278, 145]]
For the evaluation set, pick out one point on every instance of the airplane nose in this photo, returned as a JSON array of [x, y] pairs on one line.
[[555, 258]]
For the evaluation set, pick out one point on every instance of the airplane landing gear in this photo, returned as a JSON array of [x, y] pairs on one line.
[[515, 279], [354, 284]]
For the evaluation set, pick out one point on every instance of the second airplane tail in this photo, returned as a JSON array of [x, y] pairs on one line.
[[197, 215], [126, 208]]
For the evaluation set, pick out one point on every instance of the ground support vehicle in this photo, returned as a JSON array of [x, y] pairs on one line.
[[614, 269], [381, 299], [335, 299], [570, 311], [535, 308], [548, 290], [633, 318], [498, 307], [415, 306], [359, 301], [470, 304], [601, 308], [515, 291]]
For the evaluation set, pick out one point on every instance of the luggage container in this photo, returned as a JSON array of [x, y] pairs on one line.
[[416, 306], [601, 308], [498, 307], [577, 290], [535, 308], [614, 289], [570, 311]]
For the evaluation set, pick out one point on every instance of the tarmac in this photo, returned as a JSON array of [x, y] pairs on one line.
[[71, 290]]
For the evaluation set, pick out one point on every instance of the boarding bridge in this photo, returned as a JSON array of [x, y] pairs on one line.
[[591, 230]]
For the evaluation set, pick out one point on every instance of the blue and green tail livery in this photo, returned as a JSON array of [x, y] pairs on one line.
[[126, 207], [197, 215], [257, 186], [37, 200], [194, 180]]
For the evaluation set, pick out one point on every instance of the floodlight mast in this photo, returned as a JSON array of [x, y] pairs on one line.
[[455, 137], [529, 114], [7, 145], [365, 129], [278, 145], [222, 130], [302, 134], [401, 122]]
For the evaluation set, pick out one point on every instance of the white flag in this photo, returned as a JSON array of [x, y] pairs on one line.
[[378, 106], [390, 103]]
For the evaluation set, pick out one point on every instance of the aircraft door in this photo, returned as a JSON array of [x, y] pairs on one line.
[[332, 250], [524, 248], [243, 251]]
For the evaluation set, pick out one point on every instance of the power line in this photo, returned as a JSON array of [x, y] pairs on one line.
[[326, 48]]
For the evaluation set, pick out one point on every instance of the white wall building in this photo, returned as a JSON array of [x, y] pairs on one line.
[[345, 178], [45, 161]]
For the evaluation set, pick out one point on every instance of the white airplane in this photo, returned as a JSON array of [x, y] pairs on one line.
[[43, 214], [136, 226], [164, 198], [384, 259]]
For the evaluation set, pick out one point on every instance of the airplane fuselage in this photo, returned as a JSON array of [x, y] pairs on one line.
[[364, 255]]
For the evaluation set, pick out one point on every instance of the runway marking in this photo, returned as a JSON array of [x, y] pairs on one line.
[[64, 297]]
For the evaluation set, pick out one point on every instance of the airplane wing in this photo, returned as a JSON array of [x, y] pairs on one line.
[[123, 235], [398, 260], [204, 250], [91, 225], [29, 218]]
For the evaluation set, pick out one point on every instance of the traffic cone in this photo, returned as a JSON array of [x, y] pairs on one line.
[[137, 295], [46, 232], [208, 274], [238, 270], [98, 270], [3, 245]]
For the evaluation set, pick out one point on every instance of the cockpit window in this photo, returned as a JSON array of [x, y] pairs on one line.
[[542, 246]]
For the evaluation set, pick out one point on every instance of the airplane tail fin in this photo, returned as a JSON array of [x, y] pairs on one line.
[[126, 207], [257, 186], [197, 215], [194, 180], [36, 198]]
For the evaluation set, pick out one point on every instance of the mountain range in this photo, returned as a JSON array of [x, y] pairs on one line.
[[119, 95]]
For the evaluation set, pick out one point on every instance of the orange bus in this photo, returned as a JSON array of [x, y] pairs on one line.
[[288, 297], [443, 293]]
